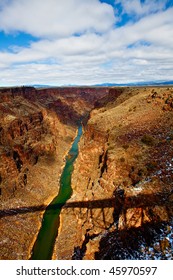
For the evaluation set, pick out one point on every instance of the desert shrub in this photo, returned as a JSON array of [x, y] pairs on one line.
[[122, 159], [171, 136], [138, 156], [125, 146], [126, 183], [151, 165], [148, 140], [134, 108], [137, 173], [111, 148]]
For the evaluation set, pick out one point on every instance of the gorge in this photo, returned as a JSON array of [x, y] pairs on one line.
[[43, 246], [122, 183]]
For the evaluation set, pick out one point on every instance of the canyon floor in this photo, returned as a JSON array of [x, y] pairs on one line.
[[122, 201]]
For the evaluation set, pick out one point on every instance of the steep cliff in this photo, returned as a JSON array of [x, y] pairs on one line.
[[33, 143], [122, 181], [36, 131], [121, 207]]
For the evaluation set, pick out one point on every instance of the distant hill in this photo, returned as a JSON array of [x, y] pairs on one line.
[[150, 83], [42, 86]]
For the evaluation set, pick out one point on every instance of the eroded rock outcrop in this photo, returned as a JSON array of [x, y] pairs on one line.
[[37, 128], [121, 207], [33, 142], [122, 181]]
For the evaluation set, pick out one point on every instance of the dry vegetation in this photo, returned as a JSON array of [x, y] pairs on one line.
[[126, 150]]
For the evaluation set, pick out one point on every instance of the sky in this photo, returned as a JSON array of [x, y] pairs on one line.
[[79, 42]]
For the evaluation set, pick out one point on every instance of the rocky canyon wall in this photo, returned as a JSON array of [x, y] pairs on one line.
[[37, 128], [122, 180], [121, 206]]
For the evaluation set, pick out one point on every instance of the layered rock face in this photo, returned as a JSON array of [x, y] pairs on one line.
[[33, 142], [37, 128], [122, 202], [122, 181]]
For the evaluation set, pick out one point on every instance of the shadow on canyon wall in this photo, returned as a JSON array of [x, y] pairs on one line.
[[117, 202], [126, 243], [116, 244], [135, 243]]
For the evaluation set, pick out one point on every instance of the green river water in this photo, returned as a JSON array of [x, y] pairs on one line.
[[44, 244]]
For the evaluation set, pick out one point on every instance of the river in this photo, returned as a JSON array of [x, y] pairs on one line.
[[43, 247]]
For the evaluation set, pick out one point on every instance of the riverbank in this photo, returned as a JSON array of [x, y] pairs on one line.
[[20, 231], [44, 243]]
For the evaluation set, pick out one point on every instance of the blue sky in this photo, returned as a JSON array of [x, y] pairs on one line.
[[83, 42]]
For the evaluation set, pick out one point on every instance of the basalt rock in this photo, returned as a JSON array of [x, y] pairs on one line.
[[122, 181], [37, 128]]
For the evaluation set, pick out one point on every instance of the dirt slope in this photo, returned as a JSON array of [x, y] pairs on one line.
[[121, 205]]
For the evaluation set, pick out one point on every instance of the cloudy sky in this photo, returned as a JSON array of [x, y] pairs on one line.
[[85, 42]]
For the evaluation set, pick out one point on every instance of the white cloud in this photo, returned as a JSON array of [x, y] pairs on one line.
[[138, 8], [140, 51], [56, 18]]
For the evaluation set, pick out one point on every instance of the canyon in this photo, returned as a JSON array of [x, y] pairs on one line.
[[122, 184]]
